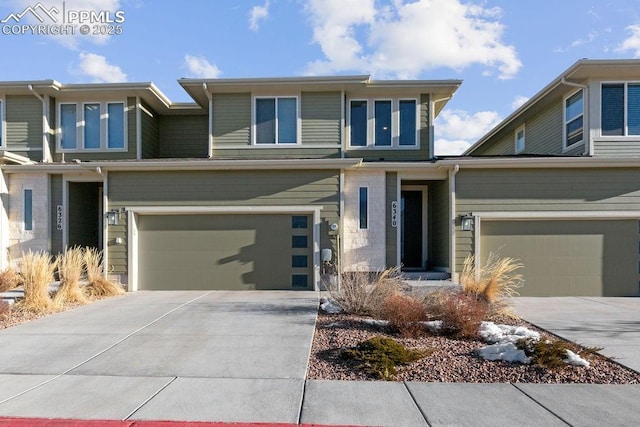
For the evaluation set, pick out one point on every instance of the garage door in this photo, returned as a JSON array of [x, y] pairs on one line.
[[562, 258], [231, 252]]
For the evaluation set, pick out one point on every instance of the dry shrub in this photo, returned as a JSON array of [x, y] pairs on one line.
[[496, 282], [9, 279], [5, 310], [98, 285], [404, 314], [70, 268], [37, 274], [460, 313], [363, 292]]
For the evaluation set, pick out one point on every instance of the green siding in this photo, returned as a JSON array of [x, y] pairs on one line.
[[420, 153], [23, 120], [542, 190], [55, 183], [500, 147], [320, 114], [391, 233], [543, 133], [280, 153], [231, 119], [150, 132], [616, 148], [184, 136], [439, 221], [228, 188]]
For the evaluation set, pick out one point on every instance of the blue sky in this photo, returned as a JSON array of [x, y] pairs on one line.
[[504, 50]]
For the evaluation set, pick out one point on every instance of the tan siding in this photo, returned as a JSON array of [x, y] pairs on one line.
[[320, 114], [231, 119], [150, 132], [228, 188], [184, 136], [23, 122]]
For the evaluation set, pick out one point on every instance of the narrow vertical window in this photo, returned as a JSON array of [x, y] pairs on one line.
[[358, 123], [364, 207], [68, 133], [407, 109], [573, 116], [633, 109], [265, 121], [287, 121], [115, 125], [382, 123], [91, 125], [28, 210], [520, 140], [613, 109]]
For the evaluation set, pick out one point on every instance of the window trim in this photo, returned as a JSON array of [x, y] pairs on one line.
[[80, 127], [371, 123], [254, 115], [524, 139], [366, 213], [625, 104], [566, 147]]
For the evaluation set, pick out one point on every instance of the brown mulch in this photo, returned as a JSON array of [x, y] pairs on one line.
[[453, 360]]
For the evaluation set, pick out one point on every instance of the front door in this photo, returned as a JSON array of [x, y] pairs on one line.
[[411, 230]]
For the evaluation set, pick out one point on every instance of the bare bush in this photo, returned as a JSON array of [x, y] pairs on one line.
[[363, 292], [70, 269], [460, 313], [404, 314], [37, 270], [9, 279]]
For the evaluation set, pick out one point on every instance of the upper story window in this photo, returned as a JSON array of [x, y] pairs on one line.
[[92, 126], [519, 139], [573, 119], [383, 123], [276, 120], [620, 109]]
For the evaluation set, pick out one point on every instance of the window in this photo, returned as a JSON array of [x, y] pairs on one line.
[[299, 242], [28, 210], [363, 207], [101, 126], [407, 109], [520, 139], [389, 123], [276, 120], [573, 119], [358, 123], [620, 109], [382, 123], [299, 221]]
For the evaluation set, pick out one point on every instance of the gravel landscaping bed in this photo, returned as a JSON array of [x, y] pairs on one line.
[[452, 361]]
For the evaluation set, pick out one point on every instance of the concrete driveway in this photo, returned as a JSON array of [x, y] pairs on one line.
[[163, 355]]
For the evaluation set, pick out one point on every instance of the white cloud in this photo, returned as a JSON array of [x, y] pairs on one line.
[[257, 14], [632, 43], [457, 130], [198, 66], [97, 67], [71, 41], [518, 102], [403, 39]]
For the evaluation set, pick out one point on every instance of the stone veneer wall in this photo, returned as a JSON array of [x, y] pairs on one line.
[[364, 250], [21, 240]]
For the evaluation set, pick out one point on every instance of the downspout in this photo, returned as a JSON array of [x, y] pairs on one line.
[[210, 98], [588, 148], [46, 151], [452, 227]]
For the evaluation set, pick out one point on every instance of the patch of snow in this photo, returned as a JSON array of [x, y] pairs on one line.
[[329, 306], [335, 325], [575, 359], [495, 333], [434, 325], [504, 351], [376, 322]]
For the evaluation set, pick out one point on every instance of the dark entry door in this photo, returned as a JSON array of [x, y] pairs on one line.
[[411, 230]]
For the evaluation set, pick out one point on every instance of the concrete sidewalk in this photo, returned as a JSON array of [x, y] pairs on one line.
[[242, 357]]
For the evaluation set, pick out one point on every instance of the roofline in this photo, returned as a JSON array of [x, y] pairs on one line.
[[276, 80], [191, 164], [542, 93], [538, 162]]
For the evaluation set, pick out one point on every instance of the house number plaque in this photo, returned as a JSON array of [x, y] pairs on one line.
[[394, 214], [59, 217]]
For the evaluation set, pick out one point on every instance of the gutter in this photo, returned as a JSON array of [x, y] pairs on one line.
[[46, 129]]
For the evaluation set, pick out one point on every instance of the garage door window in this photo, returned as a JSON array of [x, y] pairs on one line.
[[299, 221], [299, 242], [299, 261], [299, 280]]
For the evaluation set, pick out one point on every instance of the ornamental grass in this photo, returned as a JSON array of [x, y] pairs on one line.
[[70, 269], [37, 270], [98, 285]]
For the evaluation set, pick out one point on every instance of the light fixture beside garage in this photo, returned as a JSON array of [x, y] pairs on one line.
[[113, 216], [466, 222]]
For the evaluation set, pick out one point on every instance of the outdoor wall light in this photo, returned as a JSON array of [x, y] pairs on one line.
[[113, 217], [466, 222]]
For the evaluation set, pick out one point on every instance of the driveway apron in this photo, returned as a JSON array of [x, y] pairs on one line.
[[200, 355]]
